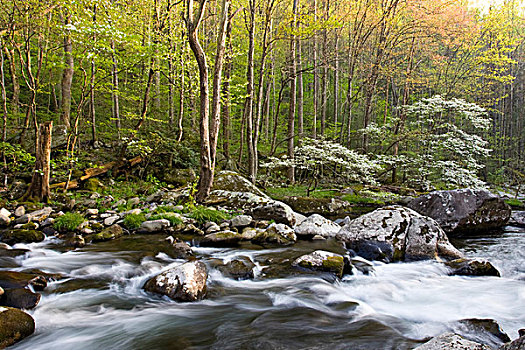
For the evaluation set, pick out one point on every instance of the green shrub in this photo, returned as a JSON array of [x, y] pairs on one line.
[[173, 218], [514, 202], [68, 222], [204, 214], [166, 209], [133, 221]]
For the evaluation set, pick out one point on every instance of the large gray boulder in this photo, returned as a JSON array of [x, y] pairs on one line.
[[396, 233], [275, 234], [233, 182], [186, 282], [464, 211], [322, 260], [451, 341], [317, 225]]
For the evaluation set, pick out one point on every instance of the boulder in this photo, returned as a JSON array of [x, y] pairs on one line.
[[396, 233], [111, 220], [275, 234], [233, 182], [20, 211], [464, 211], [241, 221], [154, 226], [5, 212], [181, 249], [21, 298], [41, 215], [518, 344], [186, 282], [107, 234], [249, 233], [517, 218], [13, 279], [221, 239], [321, 260], [484, 331], [179, 177], [472, 267], [277, 211], [75, 241], [332, 207], [22, 236], [24, 219], [239, 269], [15, 325], [451, 341], [317, 225], [133, 201]]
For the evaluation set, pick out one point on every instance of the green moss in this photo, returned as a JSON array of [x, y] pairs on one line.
[[22, 236], [204, 214], [29, 226], [334, 264], [514, 202], [166, 209], [357, 199], [301, 191], [133, 221], [68, 222]]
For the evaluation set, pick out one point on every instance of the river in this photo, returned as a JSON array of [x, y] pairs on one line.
[[100, 303]]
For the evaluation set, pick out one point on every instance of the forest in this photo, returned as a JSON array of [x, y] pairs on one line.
[[421, 94]]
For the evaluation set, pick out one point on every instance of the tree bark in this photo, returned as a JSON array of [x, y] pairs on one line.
[[291, 110], [115, 90], [248, 103], [15, 99], [316, 78], [226, 127], [67, 81], [39, 188]]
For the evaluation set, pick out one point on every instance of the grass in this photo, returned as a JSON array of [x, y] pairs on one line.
[[133, 221], [514, 202], [166, 209], [300, 191], [357, 199], [204, 214], [68, 222]]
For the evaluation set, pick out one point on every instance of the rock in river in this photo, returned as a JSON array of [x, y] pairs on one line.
[[321, 260], [464, 211], [472, 267], [15, 325], [22, 236], [186, 282], [276, 234], [396, 233], [317, 225], [451, 341], [20, 298]]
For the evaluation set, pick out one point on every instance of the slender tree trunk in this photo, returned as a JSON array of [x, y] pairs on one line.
[[181, 92], [226, 127], [92, 87], [316, 79], [324, 92], [4, 113], [291, 111], [67, 81], [206, 172], [115, 90], [248, 103], [15, 100], [300, 95], [336, 81], [39, 188], [172, 48]]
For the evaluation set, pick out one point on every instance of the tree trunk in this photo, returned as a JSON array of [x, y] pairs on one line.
[[206, 171], [316, 79], [67, 80], [300, 94], [248, 103], [291, 111], [336, 82], [324, 92], [115, 90], [15, 100], [92, 87], [226, 127], [39, 188]]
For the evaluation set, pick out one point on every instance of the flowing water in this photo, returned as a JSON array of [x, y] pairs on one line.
[[100, 303]]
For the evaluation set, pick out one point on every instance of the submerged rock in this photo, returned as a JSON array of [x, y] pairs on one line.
[[484, 331], [221, 239], [240, 268], [451, 341], [107, 234], [316, 225], [396, 233], [518, 344], [472, 267], [15, 325], [276, 234], [14, 279], [186, 282], [464, 211], [22, 236], [321, 260], [21, 298]]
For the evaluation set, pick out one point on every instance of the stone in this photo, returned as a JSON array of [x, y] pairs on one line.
[[277, 211], [119, 203], [1, 291], [181, 249], [316, 225], [248, 233], [29, 226], [233, 182], [4, 220], [15, 325], [239, 269], [47, 222], [484, 331], [111, 220], [212, 227], [517, 218], [451, 341], [154, 226], [276, 234], [464, 211], [107, 234], [24, 219], [179, 177], [518, 344], [192, 230], [321, 260], [241, 221], [93, 185], [324, 206], [75, 242], [186, 282], [20, 211], [21, 298], [396, 233], [221, 239], [133, 201], [22, 236], [91, 212], [5, 212], [472, 267], [13, 279], [41, 215]]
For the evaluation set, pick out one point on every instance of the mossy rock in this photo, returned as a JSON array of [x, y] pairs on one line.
[[327, 207], [323, 261], [179, 177], [107, 234], [467, 267], [92, 185], [29, 226], [15, 325], [22, 236]]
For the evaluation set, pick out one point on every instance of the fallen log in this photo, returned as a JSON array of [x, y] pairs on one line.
[[94, 172]]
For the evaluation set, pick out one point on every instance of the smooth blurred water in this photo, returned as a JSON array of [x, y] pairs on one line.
[[100, 303]]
